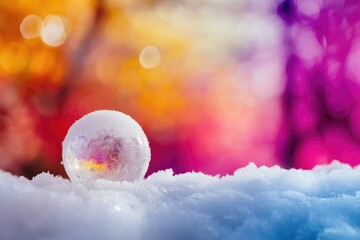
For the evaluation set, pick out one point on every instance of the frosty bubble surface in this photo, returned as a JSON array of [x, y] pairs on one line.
[[106, 145]]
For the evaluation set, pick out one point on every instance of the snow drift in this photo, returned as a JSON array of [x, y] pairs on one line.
[[254, 203]]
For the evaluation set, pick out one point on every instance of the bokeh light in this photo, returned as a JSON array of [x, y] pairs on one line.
[[149, 57], [14, 57], [53, 31], [30, 26]]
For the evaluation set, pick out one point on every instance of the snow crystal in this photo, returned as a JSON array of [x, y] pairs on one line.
[[108, 145], [254, 203]]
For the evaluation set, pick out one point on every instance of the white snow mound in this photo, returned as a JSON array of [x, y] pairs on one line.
[[254, 203]]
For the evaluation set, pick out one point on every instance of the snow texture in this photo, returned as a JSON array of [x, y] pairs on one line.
[[254, 203], [108, 145]]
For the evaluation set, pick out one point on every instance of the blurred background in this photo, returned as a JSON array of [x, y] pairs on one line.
[[214, 84]]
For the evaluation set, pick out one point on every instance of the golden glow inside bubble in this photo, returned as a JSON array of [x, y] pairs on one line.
[[92, 166], [150, 57], [53, 31], [30, 26], [14, 58]]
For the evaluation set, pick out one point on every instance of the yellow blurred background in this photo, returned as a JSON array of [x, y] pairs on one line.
[[203, 78]]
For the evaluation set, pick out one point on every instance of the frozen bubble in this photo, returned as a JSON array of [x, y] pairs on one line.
[[106, 145]]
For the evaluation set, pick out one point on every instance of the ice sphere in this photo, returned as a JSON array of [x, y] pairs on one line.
[[105, 145]]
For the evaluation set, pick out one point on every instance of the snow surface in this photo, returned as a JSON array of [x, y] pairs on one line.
[[254, 203]]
